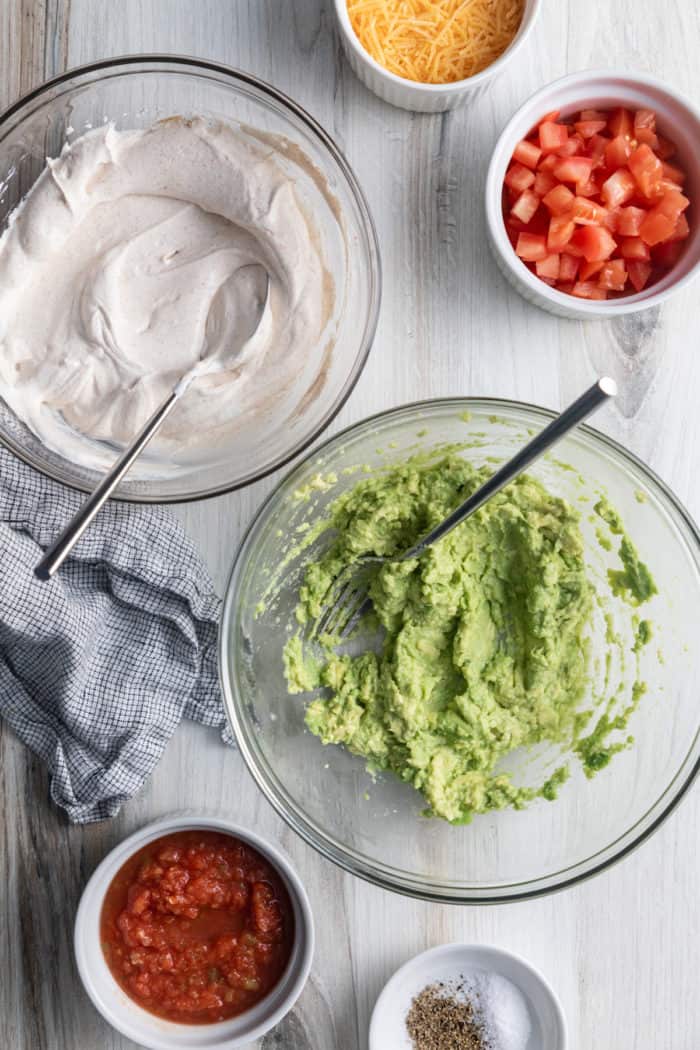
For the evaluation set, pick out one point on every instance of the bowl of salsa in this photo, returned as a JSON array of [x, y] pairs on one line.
[[194, 933]]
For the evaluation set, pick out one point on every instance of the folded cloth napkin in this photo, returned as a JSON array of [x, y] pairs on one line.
[[99, 664]]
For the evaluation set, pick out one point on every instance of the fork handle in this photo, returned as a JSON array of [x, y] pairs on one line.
[[583, 407]]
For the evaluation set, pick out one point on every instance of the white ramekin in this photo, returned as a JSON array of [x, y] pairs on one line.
[[679, 121], [154, 1032], [425, 98]]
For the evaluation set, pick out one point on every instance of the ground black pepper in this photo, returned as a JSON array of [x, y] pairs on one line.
[[438, 1020]]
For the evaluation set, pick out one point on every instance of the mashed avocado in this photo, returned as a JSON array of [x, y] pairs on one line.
[[483, 648]]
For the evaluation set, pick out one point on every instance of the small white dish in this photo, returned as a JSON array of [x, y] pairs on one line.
[[387, 1030], [413, 95], [679, 121], [154, 1032]]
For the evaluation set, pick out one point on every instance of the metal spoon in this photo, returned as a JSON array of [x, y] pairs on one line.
[[62, 546], [348, 598]]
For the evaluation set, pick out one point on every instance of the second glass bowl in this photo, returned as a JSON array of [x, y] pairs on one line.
[[375, 827], [135, 92]]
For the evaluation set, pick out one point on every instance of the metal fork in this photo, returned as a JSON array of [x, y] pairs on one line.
[[347, 599]]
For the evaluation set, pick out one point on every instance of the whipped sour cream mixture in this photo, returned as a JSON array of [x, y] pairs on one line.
[[140, 255]]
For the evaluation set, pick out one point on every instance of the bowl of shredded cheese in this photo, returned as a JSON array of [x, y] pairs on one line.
[[432, 55]]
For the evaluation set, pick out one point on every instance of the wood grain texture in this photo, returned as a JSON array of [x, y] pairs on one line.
[[622, 950]]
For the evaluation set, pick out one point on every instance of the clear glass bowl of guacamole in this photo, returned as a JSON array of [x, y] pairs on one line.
[[580, 764]]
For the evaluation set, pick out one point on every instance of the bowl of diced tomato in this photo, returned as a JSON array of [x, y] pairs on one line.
[[593, 193]]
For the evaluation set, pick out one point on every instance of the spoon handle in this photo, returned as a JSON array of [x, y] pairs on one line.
[[583, 407], [64, 543]]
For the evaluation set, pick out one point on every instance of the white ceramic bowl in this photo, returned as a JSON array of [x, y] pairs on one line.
[[154, 1032], [387, 1030], [425, 98], [679, 121]]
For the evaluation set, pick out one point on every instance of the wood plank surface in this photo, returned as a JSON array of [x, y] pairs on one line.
[[623, 949]]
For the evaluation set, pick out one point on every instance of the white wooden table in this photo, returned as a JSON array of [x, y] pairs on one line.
[[622, 950]]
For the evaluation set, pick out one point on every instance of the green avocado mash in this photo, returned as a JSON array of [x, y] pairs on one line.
[[484, 643]]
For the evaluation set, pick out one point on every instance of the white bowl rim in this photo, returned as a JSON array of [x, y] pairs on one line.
[[466, 949], [530, 13], [544, 97], [110, 865]]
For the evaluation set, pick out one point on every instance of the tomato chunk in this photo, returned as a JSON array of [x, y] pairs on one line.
[[656, 227], [617, 151], [548, 267], [618, 189], [559, 200], [525, 206], [552, 136], [639, 273], [519, 177], [613, 275], [587, 213], [646, 169], [595, 242], [574, 169], [634, 248], [588, 290], [531, 247], [527, 153], [561, 230], [629, 221]]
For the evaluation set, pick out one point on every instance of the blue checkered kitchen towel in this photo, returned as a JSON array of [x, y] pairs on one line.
[[99, 665]]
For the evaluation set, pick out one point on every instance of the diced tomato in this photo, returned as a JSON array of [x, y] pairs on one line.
[[629, 221], [644, 118], [594, 114], [613, 275], [646, 168], [519, 177], [559, 200], [548, 267], [672, 203], [597, 146], [552, 136], [618, 189], [667, 255], [586, 213], [573, 145], [553, 115], [588, 290], [525, 206], [531, 247], [568, 267], [617, 151], [588, 128], [561, 230], [656, 227], [527, 153], [649, 138], [672, 173], [638, 272], [590, 188], [548, 163], [590, 269], [681, 231], [621, 122], [544, 182], [595, 242], [574, 169], [633, 248]]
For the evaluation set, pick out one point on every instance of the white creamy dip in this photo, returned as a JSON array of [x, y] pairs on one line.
[[122, 268]]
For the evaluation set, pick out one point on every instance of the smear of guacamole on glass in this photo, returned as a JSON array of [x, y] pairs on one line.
[[484, 643]]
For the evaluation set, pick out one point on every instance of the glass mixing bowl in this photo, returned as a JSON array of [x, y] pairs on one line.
[[135, 92], [375, 827]]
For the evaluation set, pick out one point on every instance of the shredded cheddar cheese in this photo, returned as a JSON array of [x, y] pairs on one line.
[[435, 41]]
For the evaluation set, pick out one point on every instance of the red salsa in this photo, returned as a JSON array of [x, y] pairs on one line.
[[197, 927]]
